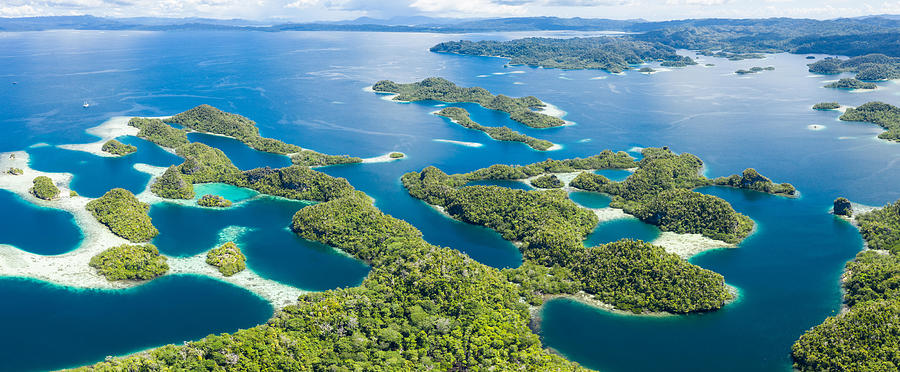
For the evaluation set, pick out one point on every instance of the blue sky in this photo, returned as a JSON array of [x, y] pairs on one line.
[[310, 10]]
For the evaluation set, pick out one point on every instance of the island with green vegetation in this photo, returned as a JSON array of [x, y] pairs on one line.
[[204, 164], [870, 67], [554, 239], [826, 106], [118, 148], [227, 258], [15, 171], [421, 307], [208, 119], [885, 115], [124, 215], [440, 89], [43, 188], [866, 336], [842, 207], [460, 116], [547, 181], [130, 262], [754, 70], [851, 83], [396, 155], [607, 53], [158, 132], [213, 201], [646, 70]]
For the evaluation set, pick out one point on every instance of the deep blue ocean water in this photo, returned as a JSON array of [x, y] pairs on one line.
[[308, 88]]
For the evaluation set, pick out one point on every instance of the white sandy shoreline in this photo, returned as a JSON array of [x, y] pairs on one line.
[[116, 126]]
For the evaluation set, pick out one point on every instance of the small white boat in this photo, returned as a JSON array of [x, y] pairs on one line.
[[86, 104]]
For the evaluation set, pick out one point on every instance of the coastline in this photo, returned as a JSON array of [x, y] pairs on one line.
[[71, 269]]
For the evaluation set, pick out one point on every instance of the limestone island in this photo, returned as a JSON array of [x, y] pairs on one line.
[[826, 106], [754, 70], [521, 109], [852, 84], [118, 148], [460, 116], [227, 258], [44, 188], [213, 201], [130, 262]]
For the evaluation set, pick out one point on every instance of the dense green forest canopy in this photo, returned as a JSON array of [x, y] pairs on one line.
[[440, 89], [213, 201], [228, 258], [547, 181], [311, 158], [130, 262], [208, 119], [885, 115], [172, 185], [158, 132], [124, 214], [117, 148], [43, 188], [826, 106], [551, 229], [613, 54], [880, 228], [461, 116], [871, 67]]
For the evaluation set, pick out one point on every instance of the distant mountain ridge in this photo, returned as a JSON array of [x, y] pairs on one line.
[[844, 36]]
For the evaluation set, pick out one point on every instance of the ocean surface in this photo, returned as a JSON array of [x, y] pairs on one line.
[[309, 88]]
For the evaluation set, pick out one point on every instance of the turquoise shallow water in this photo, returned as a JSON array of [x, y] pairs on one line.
[[308, 89], [623, 228]]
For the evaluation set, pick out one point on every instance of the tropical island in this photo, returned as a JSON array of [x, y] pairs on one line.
[[731, 56], [213, 201], [44, 188], [460, 116], [227, 258], [440, 89], [884, 115], [124, 215], [606, 53], [130, 262], [118, 148], [15, 171], [826, 106], [866, 335], [870, 67], [547, 181], [851, 83], [754, 70]]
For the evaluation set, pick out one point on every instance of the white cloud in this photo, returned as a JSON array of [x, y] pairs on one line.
[[468, 7]]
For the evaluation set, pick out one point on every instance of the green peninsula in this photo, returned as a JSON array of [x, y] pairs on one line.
[[208, 119], [440, 89], [754, 70], [460, 116], [213, 201], [885, 115], [851, 83], [612, 54], [867, 336], [130, 262], [158, 132]]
